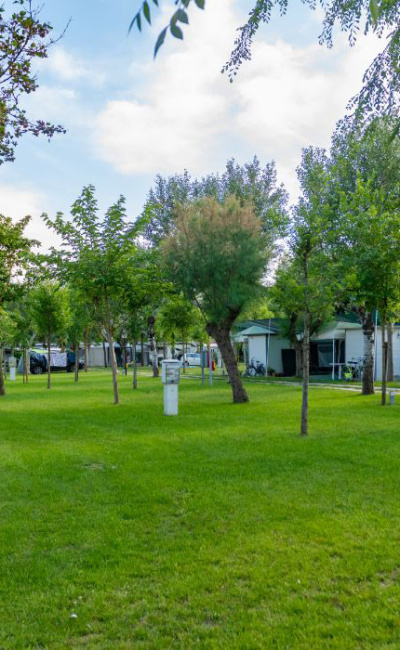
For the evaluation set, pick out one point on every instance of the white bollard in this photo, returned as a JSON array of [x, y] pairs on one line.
[[12, 364], [170, 376], [391, 398]]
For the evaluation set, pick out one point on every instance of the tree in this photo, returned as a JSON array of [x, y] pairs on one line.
[[217, 257], [305, 282], [24, 38], [98, 255], [250, 183], [23, 335], [50, 314], [7, 332], [365, 192], [81, 320], [15, 259], [176, 319]]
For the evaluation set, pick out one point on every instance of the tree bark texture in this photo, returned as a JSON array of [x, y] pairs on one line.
[[390, 371], [2, 382], [85, 343], [134, 383], [299, 358], [25, 365], [153, 344], [105, 355], [114, 367], [368, 328], [384, 364], [142, 350], [222, 337], [306, 376], [76, 365], [49, 362]]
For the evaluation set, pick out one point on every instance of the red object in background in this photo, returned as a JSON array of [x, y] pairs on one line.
[[213, 365]]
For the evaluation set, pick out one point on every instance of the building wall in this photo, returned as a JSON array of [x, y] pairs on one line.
[[258, 350], [355, 349], [275, 353]]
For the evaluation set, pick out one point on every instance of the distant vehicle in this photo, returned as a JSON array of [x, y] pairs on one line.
[[191, 359], [59, 361]]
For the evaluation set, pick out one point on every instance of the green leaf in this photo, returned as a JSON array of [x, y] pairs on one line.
[[374, 9], [176, 31], [155, 2], [182, 16], [200, 3], [146, 11], [139, 22], [160, 41], [133, 21]]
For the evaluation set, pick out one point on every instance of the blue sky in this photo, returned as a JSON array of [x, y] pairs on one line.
[[129, 117]]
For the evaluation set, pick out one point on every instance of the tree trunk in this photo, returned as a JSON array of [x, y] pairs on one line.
[[48, 363], [384, 364], [306, 376], [134, 385], [299, 359], [2, 382], [153, 344], [85, 343], [76, 361], [390, 371], [184, 357], [25, 366], [113, 362], [125, 358], [368, 328], [142, 350], [105, 355], [222, 337]]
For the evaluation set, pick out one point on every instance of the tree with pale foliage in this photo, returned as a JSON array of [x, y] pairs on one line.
[[217, 257]]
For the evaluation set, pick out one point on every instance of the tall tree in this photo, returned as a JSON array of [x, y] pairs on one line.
[[217, 256], [24, 38], [305, 282], [97, 257], [16, 258], [50, 315], [365, 193]]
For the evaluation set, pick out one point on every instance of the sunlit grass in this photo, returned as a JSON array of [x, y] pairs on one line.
[[220, 528]]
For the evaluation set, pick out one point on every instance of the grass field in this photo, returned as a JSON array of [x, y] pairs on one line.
[[221, 528]]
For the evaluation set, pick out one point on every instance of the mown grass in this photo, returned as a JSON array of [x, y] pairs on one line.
[[220, 528]]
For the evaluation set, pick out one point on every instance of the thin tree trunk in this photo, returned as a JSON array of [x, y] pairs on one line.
[[368, 328], [125, 358], [299, 359], [222, 337], [85, 343], [2, 382], [142, 350], [153, 344], [184, 357], [24, 366], [134, 385], [48, 363], [76, 360], [105, 355], [306, 376], [384, 364], [390, 372], [113, 362]]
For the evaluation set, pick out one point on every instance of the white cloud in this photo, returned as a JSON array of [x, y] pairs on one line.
[[17, 203], [69, 68]]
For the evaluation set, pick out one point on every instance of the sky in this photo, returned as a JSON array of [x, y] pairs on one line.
[[129, 117]]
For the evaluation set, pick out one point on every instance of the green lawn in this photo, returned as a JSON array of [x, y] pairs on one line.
[[222, 528]]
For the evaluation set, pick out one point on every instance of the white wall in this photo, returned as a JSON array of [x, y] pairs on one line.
[[355, 348], [275, 352], [258, 350]]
